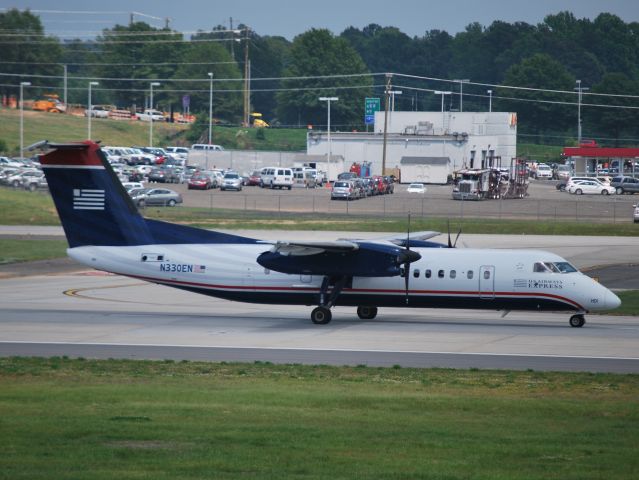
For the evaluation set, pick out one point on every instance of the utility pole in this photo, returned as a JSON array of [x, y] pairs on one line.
[[579, 89], [387, 91], [232, 38], [246, 79]]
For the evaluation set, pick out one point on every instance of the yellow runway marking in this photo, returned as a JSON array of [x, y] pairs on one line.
[[77, 292]]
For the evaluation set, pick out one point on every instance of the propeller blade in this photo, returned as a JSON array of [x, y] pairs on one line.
[[450, 245], [408, 256], [457, 237]]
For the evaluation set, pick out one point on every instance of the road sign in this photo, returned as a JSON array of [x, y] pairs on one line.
[[371, 106]]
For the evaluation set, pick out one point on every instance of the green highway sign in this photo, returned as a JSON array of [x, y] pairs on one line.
[[371, 106]]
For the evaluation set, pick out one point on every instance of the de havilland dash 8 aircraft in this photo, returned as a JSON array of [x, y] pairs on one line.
[[105, 231]]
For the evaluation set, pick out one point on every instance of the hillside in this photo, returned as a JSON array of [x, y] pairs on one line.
[[64, 128]]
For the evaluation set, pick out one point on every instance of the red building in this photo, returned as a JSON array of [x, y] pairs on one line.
[[590, 159]]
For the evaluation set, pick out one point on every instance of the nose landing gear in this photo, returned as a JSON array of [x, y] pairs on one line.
[[577, 320]]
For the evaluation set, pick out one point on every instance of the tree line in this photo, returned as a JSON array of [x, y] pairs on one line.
[[529, 69]]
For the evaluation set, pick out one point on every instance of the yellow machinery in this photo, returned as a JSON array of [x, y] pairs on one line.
[[50, 103], [257, 120]]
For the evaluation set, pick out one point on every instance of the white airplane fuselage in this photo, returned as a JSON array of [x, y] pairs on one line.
[[443, 278]]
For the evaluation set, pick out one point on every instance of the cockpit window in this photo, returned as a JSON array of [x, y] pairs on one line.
[[553, 267]]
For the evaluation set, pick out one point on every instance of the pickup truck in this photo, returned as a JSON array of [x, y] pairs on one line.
[[149, 115], [625, 185]]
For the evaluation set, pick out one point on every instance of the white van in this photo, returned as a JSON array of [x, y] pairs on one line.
[[277, 177], [206, 146]]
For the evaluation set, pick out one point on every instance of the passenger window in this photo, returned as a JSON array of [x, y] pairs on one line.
[[440, 274], [469, 274], [453, 274], [416, 273], [427, 273], [486, 274]]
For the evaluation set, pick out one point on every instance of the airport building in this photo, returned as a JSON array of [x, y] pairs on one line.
[[424, 146]]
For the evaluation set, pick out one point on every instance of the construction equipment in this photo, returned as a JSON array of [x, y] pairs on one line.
[[258, 121], [50, 103]]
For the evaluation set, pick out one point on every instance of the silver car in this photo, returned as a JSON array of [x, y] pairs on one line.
[[231, 181], [155, 196], [344, 189]]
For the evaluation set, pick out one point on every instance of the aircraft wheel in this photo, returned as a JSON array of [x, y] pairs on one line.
[[321, 316], [577, 321], [366, 313]]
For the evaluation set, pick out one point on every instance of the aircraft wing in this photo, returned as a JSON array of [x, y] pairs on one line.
[[312, 248], [338, 258]]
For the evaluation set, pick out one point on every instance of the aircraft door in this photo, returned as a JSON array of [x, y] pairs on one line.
[[487, 281]]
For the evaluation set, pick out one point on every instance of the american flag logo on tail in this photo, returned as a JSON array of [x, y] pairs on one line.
[[88, 199]]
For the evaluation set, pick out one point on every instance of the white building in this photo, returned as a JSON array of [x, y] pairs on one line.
[[426, 146]]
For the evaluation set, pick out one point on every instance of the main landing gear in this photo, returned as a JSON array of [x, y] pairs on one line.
[[321, 315], [577, 320]]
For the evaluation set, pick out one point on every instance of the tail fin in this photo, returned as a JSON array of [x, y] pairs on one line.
[[95, 209], [92, 203]]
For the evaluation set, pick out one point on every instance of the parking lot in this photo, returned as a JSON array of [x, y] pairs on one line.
[[544, 202]]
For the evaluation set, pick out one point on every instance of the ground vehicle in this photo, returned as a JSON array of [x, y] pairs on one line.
[[7, 162], [128, 186], [18, 178], [347, 176], [204, 146], [216, 177], [573, 180], [151, 114], [562, 172], [416, 188], [625, 185], [581, 187], [543, 171], [305, 178], [163, 175], [389, 185], [477, 184], [35, 182], [155, 196], [258, 121], [99, 111], [254, 178], [180, 153], [344, 189], [200, 182], [635, 214], [50, 103], [231, 181], [277, 177]]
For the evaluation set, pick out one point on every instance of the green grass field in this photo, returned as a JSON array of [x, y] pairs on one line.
[[86, 419]]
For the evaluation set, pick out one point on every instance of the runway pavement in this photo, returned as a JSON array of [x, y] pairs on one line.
[[75, 312]]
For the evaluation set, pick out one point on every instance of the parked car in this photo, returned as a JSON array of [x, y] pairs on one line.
[[128, 186], [562, 172], [151, 114], [416, 188], [543, 171], [231, 181], [35, 182], [277, 177], [583, 187], [344, 189], [163, 175], [204, 146], [99, 111], [625, 185], [346, 176], [155, 196], [254, 178], [7, 162], [635, 214], [389, 184], [181, 153], [199, 181]]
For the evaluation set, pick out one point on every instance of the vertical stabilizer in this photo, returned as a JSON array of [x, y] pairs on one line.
[[92, 203]]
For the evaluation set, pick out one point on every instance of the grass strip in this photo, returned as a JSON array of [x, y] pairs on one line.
[[91, 419]]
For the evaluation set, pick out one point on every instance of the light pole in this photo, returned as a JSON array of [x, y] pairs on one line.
[[328, 101], [152, 84], [89, 111], [22, 85], [461, 91], [442, 93], [210, 105], [392, 94], [579, 89], [490, 100]]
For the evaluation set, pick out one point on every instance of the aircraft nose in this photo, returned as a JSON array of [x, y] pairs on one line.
[[611, 300]]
